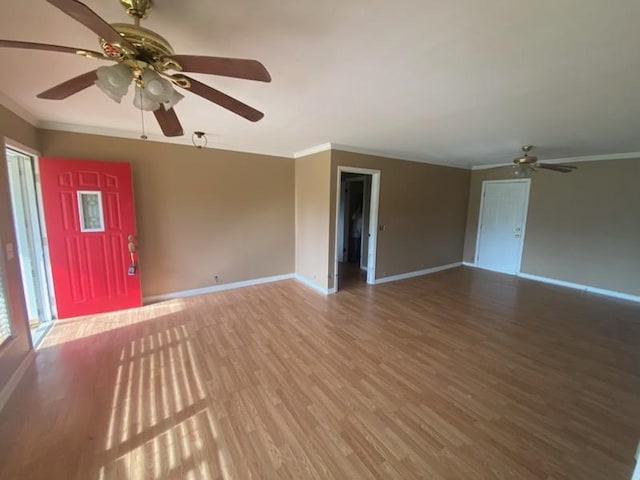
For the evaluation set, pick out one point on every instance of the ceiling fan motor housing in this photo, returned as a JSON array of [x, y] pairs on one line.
[[525, 159], [152, 48]]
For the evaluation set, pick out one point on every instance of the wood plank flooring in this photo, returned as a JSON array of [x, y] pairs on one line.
[[463, 374]]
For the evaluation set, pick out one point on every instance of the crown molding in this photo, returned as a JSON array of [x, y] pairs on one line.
[[594, 158], [491, 165], [379, 153], [584, 158], [184, 140], [312, 150], [16, 108], [368, 151], [12, 105]]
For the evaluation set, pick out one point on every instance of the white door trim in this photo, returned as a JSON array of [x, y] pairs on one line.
[[35, 158], [526, 181], [373, 221]]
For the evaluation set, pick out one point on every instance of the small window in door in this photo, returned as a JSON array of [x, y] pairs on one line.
[[90, 210]]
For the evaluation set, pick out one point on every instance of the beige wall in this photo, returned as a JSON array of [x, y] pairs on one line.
[[13, 353], [312, 217], [200, 213], [582, 227], [423, 208]]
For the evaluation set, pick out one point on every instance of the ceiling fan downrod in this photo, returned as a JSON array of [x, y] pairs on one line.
[[138, 9]]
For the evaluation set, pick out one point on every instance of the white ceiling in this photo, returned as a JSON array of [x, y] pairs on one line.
[[461, 82]]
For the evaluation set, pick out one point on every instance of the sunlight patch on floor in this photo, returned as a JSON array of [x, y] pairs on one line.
[[83, 327], [160, 425]]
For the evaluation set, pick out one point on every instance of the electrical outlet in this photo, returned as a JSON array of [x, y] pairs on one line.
[[216, 278]]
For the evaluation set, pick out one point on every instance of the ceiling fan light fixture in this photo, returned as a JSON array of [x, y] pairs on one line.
[[152, 91], [139, 52], [523, 171], [114, 81], [172, 100], [155, 86], [143, 101]]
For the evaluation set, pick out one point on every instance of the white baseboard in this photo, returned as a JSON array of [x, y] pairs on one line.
[[575, 286], [585, 288], [215, 288], [417, 273], [314, 285], [7, 391]]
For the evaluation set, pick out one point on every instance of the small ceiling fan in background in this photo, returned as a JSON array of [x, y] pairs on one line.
[[525, 165], [148, 60]]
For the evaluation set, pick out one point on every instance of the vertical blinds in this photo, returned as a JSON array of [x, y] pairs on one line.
[[5, 325]]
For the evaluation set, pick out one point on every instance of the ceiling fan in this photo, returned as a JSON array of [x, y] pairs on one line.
[[525, 165], [148, 60]]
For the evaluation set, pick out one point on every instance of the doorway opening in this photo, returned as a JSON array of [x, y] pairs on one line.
[[26, 202], [356, 226]]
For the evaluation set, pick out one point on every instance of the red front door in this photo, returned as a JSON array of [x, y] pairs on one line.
[[90, 219]]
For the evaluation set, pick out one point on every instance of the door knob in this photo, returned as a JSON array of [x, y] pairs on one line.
[[132, 243], [133, 266]]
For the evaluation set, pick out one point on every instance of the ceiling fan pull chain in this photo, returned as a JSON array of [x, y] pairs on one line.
[[143, 136]]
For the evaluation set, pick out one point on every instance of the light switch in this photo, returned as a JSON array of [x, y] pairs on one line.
[[10, 254]]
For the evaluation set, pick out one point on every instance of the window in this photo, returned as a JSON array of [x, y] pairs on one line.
[[90, 209], [5, 324]]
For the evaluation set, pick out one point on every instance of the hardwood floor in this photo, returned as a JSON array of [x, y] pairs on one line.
[[463, 374], [351, 276]]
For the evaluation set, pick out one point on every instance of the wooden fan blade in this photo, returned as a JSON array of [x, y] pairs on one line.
[[227, 67], [222, 99], [90, 19], [68, 88], [53, 48], [557, 167], [168, 121]]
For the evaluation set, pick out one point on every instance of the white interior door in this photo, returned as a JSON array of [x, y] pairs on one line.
[[502, 223]]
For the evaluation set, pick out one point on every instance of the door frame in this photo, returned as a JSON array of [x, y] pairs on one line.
[[11, 144], [525, 181], [373, 221]]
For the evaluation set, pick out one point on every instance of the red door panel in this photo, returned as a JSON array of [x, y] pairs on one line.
[[89, 215]]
